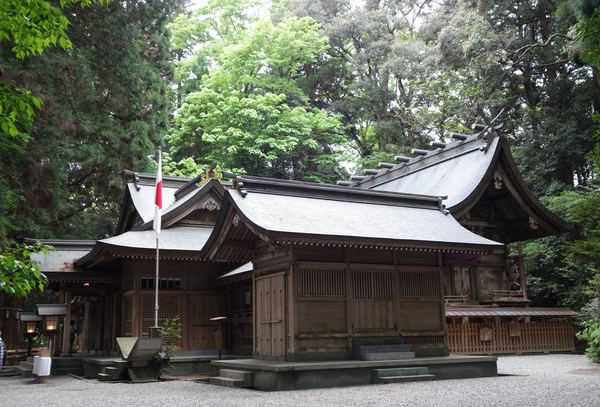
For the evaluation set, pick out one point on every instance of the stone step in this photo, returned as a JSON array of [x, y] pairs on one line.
[[400, 371], [233, 378], [26, 364], [227, 382], [77, 371], [385, 340], [235, 374], [23, 371], [67, 365], [103, 377], [110, 373], [406, 379], [383, 348], [385, 343], [6, 371], [387, 356]]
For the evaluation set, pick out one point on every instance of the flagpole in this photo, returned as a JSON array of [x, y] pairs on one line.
[[157, 225], [156, 287]]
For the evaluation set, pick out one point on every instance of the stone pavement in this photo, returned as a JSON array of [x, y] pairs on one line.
[[539, 380]]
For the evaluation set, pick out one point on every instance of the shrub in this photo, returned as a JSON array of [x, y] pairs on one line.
[[170, 333], [591, 334]]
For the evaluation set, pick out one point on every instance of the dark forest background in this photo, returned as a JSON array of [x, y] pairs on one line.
[[301, 89]]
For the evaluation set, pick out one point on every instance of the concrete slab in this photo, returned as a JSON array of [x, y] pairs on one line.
[[282, 375]]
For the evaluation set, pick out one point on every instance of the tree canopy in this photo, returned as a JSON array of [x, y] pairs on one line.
[[297, 89]]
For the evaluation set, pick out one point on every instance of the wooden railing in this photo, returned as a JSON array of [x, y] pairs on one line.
[[456, 299], [534, 337], [507, 294]]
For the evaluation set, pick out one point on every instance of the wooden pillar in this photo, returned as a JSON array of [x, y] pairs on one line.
[[86, 327], [522, 271], [66, 324]]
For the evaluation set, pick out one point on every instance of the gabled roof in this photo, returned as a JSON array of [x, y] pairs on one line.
[[58, 265], [476, 171], [180, 197], [290, 212], [453, 172], [205, 196], [178, 238], [138, 205], [182, 242], [64, 254]]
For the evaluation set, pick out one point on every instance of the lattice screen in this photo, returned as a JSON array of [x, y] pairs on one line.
[[413, 284], [376, 285], [321, 282], [423, 340], [128, 316], [168, 308]]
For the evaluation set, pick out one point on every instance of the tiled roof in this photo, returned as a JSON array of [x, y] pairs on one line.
[[285, 215], [143, 197], [457, 312], [177, 241], [453, 173], [175, 238]]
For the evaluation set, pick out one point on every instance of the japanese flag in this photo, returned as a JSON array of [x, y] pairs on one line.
[[158, 200]]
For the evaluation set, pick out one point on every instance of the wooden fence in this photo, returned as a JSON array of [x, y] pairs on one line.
[[511, 337]]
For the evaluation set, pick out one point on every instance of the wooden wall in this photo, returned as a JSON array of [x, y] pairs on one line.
[[502, 337], [333, 294], [189, 294]]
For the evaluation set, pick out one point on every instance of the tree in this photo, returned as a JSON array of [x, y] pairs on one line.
[[19, 275], [106, 105], [30, 28], [372, 73], [249, 114]]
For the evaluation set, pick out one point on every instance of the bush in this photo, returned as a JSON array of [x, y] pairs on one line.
[[591, 334], [170, 333]]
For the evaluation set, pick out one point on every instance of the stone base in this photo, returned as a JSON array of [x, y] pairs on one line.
[[281, 375]]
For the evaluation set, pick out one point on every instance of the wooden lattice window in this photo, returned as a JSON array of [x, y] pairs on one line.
[[168, 308], [376, 285], [415, 284], [166, 283], [322, 282], [128, 316]]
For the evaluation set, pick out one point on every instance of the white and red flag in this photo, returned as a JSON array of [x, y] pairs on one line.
[[158, 200]]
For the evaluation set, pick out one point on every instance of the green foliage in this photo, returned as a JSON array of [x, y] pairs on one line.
[[591, 334], [106, 105], [257, 134], [19, 275], [36, 24], [40, 340], [170, 333], [30, 27], [250, 116], [565, 270]]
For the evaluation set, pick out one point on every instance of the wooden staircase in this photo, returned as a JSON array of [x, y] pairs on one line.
[[233, 378]]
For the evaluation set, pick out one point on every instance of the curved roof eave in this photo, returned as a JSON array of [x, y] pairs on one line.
[[557, 224], [271, 217]]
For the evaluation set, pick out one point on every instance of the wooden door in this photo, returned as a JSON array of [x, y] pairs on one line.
[[201, 308], [372, 305], [463, 281], [270, 315]]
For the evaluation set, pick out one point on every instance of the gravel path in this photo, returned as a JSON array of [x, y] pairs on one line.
[[540, 380]]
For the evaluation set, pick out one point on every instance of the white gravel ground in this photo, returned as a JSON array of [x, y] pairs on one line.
[[540, 380]]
